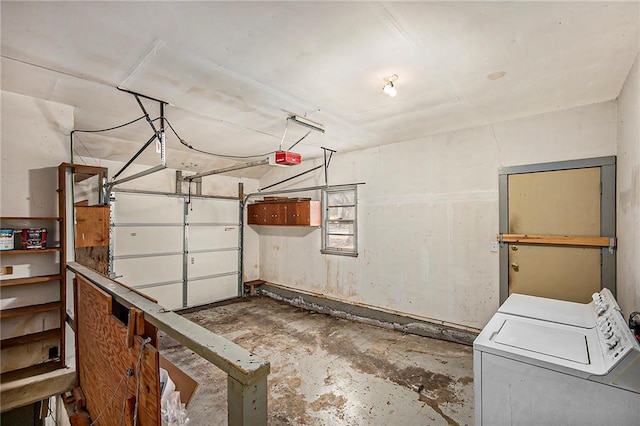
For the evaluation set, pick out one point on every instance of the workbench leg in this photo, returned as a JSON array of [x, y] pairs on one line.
[[247, 404]]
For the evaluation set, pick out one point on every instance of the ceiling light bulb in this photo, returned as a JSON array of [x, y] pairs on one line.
[[389, 89]]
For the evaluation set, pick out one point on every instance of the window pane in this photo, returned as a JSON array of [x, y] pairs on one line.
[[341, 198], [342, 213], [341, 228], [340, 241]]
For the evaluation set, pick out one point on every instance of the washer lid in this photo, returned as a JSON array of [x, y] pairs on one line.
[[559, 311], [551, 341]]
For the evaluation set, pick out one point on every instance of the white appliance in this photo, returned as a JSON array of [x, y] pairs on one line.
[[549, 362]]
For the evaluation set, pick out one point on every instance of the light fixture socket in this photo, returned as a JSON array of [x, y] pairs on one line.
[[389, 88]]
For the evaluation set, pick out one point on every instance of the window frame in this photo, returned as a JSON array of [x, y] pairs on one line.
[[326, 248]]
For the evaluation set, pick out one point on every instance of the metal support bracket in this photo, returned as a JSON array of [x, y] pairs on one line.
[[158, 136], [612, 244]]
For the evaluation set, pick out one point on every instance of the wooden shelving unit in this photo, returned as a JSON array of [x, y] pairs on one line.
[[30, 338], [49, 342], [30, 280], [32, 251], [30, 309]]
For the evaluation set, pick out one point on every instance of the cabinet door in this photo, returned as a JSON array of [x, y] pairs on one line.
[[276, 214], [304, 213], [256, 214]]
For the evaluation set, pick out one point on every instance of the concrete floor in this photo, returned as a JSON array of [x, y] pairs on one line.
[[331, 371]]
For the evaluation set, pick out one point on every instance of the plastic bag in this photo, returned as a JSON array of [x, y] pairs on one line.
[[173, 411]]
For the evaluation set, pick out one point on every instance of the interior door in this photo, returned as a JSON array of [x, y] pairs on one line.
[[563, 203]]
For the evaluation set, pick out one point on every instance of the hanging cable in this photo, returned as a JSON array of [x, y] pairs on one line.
[[126, 376], [110, 128], [138, 368], [284, 134], [183, 142], [299, 140]]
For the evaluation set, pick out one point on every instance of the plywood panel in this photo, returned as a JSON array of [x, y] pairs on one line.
[[211, 290], [168, 296], [565, 273], [96, 258], [214, 211], [92, 226], [203, 264], [212, 237], [103, 359], [150, 239], [563, 202], [140, 208]]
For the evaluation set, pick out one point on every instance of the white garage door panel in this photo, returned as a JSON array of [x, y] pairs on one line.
[[212, 237], [211, 290], [213, 211], [140, 208], [219, 262], [148, 270], [146, 240], [168, 296]]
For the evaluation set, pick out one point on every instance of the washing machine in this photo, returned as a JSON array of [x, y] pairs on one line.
[[542, 361]]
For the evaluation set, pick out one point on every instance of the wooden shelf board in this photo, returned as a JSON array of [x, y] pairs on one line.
[[28, 385], [3, 218], [32, 251], [30, 280], [556, 240], [31, 309], [30, 372], [29, 338]]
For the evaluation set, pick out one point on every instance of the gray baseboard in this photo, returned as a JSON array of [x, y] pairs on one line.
[[367, 315]]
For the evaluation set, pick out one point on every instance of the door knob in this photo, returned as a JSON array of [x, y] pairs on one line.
[[515, 266]]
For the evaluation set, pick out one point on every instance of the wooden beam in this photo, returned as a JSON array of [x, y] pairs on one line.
[[26, 391], [563, 240]]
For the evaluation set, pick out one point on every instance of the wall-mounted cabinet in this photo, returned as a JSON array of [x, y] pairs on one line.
[[296, 213]]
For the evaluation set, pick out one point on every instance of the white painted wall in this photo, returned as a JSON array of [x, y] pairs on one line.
[[628, 189], [33, 143], [427, 215]]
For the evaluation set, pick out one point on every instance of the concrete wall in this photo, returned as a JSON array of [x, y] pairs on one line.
[[628, 188], [427, 215]]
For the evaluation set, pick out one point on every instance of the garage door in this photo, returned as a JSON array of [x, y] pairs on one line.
[[180, 253]]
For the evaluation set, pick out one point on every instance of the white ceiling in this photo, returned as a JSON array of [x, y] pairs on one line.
[[233, 71]]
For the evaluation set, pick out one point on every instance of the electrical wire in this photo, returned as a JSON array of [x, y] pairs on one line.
[[52, 414], [138, 368], [129, 373], [110, 400], [110, 128], [242, 157]]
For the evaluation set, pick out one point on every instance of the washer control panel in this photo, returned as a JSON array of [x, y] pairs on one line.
[[614, 336]]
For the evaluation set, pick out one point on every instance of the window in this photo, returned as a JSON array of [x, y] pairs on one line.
[[340, 223]]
